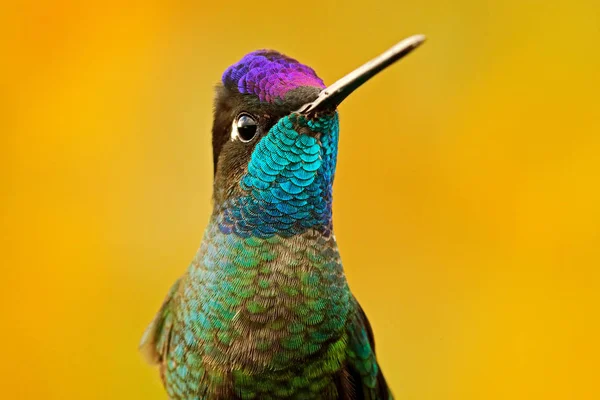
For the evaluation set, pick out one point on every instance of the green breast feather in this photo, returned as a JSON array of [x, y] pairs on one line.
[[263, 319]]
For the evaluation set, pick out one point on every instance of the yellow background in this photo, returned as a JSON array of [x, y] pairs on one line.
[[467, 200]]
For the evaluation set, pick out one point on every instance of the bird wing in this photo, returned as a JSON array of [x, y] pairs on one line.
[[361, 377], [155, 341]]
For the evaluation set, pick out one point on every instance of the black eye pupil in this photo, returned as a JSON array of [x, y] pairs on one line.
[[247, 127]]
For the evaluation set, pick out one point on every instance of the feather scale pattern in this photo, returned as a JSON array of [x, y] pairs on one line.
[[269, 75], [289, 181]]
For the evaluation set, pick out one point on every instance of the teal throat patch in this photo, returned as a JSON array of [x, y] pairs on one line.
[[289, 181]]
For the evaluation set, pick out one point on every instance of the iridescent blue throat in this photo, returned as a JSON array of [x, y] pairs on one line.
[[289, 180]]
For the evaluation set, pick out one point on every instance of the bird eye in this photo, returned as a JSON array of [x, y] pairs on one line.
[[244, 127]]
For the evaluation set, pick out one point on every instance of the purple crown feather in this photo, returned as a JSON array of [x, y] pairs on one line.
[[269, 75]]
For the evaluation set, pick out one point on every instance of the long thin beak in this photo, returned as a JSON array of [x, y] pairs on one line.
[[332, 96]]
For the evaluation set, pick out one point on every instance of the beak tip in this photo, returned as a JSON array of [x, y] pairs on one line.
[[336, 93], [419, 38], [411, 42]]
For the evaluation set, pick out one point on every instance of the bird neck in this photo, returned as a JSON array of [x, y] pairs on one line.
[[258, 217], [276, 299]]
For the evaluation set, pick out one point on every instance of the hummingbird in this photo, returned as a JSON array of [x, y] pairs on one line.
[[264, 310]]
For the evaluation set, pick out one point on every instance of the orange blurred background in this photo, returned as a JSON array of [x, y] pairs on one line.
[[467, 198]]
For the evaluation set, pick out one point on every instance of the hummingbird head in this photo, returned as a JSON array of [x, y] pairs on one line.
[[275, 135]]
